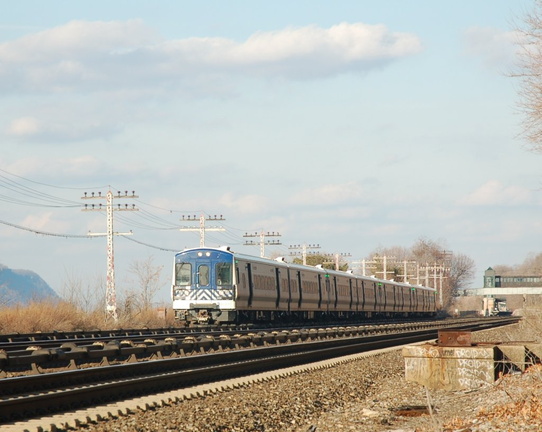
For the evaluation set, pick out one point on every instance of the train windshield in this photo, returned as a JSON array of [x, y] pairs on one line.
[[183, 274], [223, 273], [204, 268]]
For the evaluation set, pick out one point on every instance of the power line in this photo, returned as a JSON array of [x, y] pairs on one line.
[[50, 185], [32, 193], [42, 232], [151, 246]]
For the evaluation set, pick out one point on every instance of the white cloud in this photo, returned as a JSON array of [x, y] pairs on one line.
[[329, 194], [44, 222], [77, 40], [494, 47], [75, 168], [494, 192], [245, 204], [52, 129], [387, 229], [309, 51], [120, 66], [116, 55], [23, 127]]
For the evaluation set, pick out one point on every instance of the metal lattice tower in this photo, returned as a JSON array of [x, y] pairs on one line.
[[110, 294]]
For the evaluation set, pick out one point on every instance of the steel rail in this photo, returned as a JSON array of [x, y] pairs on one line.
[[36, 395], [72, 355]]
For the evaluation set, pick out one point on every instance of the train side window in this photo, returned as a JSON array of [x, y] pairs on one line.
[[203, 275], [183, 272], [223, 274]]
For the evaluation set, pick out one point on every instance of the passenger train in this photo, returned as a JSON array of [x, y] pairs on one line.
[[216, 285]]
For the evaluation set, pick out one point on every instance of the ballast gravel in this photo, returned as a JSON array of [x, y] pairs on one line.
[[366, 394]]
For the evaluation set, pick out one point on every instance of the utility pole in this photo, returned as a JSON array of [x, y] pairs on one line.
[[303, 249], [202, 228], [336, 257], [384, 260], [365, 265], [405, 274], [263, 241], [438, 274], [110, 293]]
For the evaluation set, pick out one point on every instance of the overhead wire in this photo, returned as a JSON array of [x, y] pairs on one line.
[[44, 232], [149, 245], [142, 219], [35, 194], [50, 185]]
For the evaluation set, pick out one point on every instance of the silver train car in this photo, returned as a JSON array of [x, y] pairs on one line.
[[213, 285]]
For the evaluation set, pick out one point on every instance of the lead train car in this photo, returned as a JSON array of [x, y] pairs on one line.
[[217, 285]]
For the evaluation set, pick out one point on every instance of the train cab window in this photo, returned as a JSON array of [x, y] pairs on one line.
[[223, 274], [183, 273], [203, 275]]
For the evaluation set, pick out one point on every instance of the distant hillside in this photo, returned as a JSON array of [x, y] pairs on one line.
[[23, 286]]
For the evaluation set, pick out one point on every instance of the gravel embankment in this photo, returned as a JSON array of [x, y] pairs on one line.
[[367, 394], [362, 395]]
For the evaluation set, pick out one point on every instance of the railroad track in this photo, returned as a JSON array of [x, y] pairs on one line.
[[42, 394], [41, 353]]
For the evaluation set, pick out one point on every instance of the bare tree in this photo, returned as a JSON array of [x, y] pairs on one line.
[[530, 75], [460, 274], [7, 296], [456, 270], [428, 251], [86, 295], [531, 266], [149, 282]]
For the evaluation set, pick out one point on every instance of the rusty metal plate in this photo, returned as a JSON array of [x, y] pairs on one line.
[[454, 338]]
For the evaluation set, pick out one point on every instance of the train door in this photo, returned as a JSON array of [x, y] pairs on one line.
[[289, 287], [203, 274], [328, 293], [300, 285], [250, 285], [351, 295], [373, 304], [320, 287], [335, 292], [363, 295], [277, 282], [380, 297], [357, 287]]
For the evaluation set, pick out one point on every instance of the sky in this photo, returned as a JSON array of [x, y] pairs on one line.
[[352, 125]]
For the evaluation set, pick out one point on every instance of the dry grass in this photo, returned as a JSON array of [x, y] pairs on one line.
[[48, 316]]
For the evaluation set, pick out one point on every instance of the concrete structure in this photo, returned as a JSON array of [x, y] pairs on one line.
[[466, 366]]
